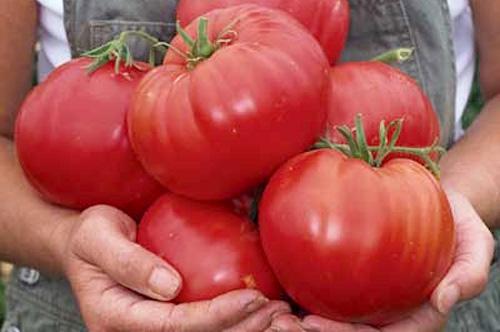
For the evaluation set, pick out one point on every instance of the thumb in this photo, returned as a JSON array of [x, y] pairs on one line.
[[468, 274], [106, 239]]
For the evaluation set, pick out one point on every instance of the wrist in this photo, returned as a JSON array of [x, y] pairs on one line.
[[476, 184], [57, 240]]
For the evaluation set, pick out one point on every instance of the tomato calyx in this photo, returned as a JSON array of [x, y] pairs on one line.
[[397, 55], [117, 50], [201, 48], [357, 146]]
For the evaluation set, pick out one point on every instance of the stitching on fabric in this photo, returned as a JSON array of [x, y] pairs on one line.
[[413, 41]]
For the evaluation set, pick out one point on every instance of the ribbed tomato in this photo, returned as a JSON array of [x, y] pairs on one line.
[[380, 92], [327, 20], [71, 139], [355, 243], [215, 249], [218, 120]]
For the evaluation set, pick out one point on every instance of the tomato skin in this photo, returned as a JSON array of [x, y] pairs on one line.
[[72, 143], [218, 130], [380, 92], [330, 27], [354, 243], [214, 249]]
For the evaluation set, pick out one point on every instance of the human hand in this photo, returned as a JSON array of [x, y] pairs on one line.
[[466, 278], [122, 287]]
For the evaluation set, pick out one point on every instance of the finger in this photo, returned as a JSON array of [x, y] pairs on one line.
[[288, 323], [217, 314], [425, 319], [469, 273], [107, 239], [321, 324], [262, 319]]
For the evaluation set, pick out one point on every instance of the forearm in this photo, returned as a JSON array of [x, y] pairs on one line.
[[18, 21], [32, 231], [472, 166]]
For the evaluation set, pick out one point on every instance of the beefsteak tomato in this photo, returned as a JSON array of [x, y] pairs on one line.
[[355, 243], [72, 143], [220, 116], [215, 249], [327, 20], [380, 92]]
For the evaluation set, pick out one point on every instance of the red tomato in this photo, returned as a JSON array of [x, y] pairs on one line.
[[71, 139], [355, 243], [215, 249], [219, 129], [380, 92], [327, 20]]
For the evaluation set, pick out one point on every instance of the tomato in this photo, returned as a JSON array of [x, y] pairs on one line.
[[380, 92], [214, 126], [215, 249], [355, 243], [71, 139], [327, 20]]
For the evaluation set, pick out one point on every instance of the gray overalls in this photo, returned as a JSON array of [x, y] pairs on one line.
[[38, 303]]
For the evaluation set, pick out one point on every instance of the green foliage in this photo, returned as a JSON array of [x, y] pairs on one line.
[[476, 103], [2, 302]]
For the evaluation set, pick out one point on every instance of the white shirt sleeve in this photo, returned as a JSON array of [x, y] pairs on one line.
[[463, 38], [54, 47]]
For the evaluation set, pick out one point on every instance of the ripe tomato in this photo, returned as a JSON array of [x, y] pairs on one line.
[[212, 127], [215, 249], [71, 139], [380, 92], [355, 243], [327, 20]]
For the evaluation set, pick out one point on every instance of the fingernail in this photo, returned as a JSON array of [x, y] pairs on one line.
[[164, 283], [255, 303], [448, 298]]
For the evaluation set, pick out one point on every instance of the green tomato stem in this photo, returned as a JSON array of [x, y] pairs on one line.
[[204, 48], [357, 146], [398, 55], [184, 35], [117, 50], [201, 48]]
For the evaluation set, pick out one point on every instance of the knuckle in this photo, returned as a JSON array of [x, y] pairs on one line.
[[125, 261], [213, 308], [490, 241], [171, 316], [96, 210], [481, 279], [477, 282]]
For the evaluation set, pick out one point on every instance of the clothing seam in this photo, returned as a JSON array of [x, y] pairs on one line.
[[413, 41]]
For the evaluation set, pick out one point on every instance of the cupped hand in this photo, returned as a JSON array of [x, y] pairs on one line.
[[122, 287], [466, 279]]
